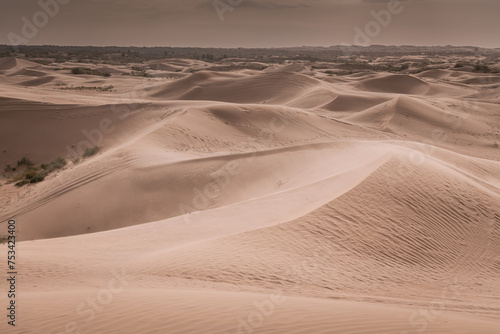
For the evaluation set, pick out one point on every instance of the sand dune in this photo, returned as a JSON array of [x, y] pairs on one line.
[[12, 64], [400, 84], [408, 114], [354, 102], [252, 200], [272, 88]]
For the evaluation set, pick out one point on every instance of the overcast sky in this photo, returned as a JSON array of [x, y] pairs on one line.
[[252, 23]]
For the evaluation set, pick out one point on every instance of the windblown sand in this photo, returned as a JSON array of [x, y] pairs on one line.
[[280, 200]]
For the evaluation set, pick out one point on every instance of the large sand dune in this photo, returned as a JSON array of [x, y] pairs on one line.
[[249, 201]]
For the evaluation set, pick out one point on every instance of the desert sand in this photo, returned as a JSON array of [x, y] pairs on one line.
[[271, 198]]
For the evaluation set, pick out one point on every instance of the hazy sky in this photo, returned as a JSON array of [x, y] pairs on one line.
[[251, 23]]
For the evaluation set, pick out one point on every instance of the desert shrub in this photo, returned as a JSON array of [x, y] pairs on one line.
[[77, 70], [37, 174], [404, 67], [31, 175], [58, 163], [22, 183], [91, 151], [95, 88], [482, 68], [139, 73], [9, 169], [89, 71], [24, 162]]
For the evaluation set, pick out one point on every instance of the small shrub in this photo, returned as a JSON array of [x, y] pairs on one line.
[[77, 70], [91, 151], [404, 67], [99, 89], [22, 183], [89, 71], [31, 175], [34, 175], [9, 169], [24, 162], [482, 68], [37, 174], [58, 163]]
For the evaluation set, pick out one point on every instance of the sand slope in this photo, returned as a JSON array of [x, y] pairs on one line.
[[254, 201]]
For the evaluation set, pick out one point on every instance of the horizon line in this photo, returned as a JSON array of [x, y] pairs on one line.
[[243, 47]]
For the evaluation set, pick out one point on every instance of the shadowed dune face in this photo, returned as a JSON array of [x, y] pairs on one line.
[[351, 103], [360, 203], [399, 84], [14, 64], [273, 87]]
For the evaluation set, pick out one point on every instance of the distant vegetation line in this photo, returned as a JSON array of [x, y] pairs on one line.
[[125, 55]]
